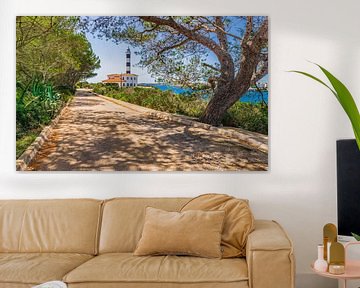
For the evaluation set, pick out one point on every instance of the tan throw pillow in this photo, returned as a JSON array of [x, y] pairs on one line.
[[239, 220], [196, 233]]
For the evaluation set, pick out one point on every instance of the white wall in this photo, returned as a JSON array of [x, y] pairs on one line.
[[299, 190]]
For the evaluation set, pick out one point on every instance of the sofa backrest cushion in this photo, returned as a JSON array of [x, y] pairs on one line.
[[123, 220], [239, 220], [64, 226]]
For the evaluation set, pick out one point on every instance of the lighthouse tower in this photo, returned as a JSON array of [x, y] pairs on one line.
[[124, 79], [128, 61]]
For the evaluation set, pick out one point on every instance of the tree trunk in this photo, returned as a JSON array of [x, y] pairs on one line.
[[222, 100]]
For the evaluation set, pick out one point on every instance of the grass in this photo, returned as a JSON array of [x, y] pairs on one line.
[[25, 141], [248, 116]]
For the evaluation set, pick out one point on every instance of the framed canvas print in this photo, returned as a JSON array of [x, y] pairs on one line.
[[142, 93]]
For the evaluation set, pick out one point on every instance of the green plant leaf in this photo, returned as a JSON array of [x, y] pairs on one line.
[[344, 97], [316, 79], [356, 236], [347, 102]]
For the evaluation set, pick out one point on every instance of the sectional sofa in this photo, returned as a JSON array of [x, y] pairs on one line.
[[90, 243]]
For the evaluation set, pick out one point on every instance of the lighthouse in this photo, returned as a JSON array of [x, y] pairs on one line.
[[124, 79], [128, 61]]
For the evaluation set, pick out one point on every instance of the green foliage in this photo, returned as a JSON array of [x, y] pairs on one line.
[[344, 97], [102, 88], [161, 100], [25, 140], [83, 84], [183, 71], [50, 48], [51, 57], [356, 236], [36, 106], [252, 117]]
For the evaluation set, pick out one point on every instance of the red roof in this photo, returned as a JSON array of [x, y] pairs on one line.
[[116, 80]]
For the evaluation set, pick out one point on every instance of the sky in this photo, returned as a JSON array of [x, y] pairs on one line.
[[112, 58]]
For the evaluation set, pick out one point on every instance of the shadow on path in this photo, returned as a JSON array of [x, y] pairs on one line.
[[95, 134]]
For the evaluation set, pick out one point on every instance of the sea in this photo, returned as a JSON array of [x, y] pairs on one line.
[[251, 96]]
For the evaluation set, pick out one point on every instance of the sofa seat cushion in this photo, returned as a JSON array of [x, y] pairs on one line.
[[127, 268], [36, 268]]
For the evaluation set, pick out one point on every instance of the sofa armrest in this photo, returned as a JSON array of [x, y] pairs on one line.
[[269, 255]]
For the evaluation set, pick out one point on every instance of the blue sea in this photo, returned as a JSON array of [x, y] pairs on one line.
[[252, 96]]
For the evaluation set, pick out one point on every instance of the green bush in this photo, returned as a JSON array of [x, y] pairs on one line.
[[36, 105], [252, 117], [104, 89], [65, 91]]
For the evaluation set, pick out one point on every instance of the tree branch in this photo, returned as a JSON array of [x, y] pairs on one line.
[[150, 30], [181, 43], [260, 73], [211, 67], [221, 28], [192, 35], [251, 49], [220, 32], [261, 37], [249, 28], [225, 59]]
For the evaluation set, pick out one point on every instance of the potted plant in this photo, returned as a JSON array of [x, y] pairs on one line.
[[346, 100]]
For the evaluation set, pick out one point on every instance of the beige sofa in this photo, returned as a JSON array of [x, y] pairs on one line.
[[89, 243]]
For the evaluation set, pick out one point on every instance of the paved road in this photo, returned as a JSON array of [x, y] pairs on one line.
[[96, 134]]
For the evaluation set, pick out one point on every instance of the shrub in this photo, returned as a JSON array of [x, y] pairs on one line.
[[36, 105], [252, 117], [103, 89]]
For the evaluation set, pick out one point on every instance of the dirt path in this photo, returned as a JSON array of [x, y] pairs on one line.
[[96, 134]]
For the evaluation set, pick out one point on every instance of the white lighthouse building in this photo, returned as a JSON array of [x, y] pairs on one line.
[[124, 79]]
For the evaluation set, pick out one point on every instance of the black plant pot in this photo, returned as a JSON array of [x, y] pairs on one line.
[[348, 187]]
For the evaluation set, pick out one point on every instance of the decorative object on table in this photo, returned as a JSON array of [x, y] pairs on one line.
[[341, 267], [337, 258], [336, 269], [344, 97], [329, 236], [320, 264], [52, 284]]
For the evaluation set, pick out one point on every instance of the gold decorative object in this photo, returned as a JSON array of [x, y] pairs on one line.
[[336, 269], [330, 236], [337, 254], [337, 258]]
